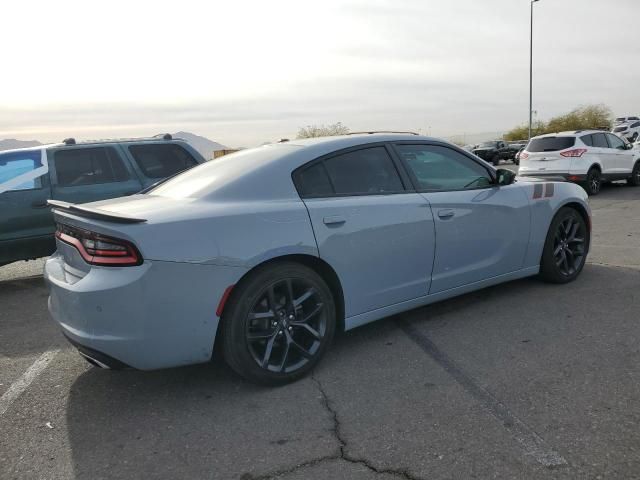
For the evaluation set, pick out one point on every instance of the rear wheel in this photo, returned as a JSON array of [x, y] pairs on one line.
[[634, 179], [634, 137], [566, 247], [278, 324], [496, 160], [593, 182]]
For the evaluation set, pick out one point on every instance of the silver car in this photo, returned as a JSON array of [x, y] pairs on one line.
[[273, 250]]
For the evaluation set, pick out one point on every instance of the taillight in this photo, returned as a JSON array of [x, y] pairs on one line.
[[98, 249], [524, 156], [576, 152]]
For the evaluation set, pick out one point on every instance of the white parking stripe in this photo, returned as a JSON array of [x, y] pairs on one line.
[[20, 385]]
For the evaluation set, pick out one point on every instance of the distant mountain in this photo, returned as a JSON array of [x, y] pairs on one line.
[[203, 145], [11, 143]]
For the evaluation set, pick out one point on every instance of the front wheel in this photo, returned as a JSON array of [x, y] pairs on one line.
[[634, 179], [594, 182], [566, 247], [278, 324], [496, 160]]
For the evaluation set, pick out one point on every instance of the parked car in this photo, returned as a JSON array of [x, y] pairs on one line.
[[627, 131], [625, 119], [277, 247], [78, 173], [587, 157], [495, 151]]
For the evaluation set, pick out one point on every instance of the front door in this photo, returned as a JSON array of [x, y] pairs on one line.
[[482, 229], [378, 237], [87, 174]]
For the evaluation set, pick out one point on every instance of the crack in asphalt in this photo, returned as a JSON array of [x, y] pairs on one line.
[[341, 454]]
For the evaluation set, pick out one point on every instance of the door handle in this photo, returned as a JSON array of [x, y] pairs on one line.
[[334, 220], [42, 204], [448, 213]]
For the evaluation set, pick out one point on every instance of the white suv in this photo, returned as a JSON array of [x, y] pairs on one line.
[[587, 157], [619, 120], [629, 131]]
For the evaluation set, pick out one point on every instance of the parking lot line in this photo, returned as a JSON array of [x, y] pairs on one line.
[[20, 385], [532, 444]]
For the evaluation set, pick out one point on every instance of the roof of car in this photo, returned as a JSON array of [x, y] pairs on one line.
[[345, 141]]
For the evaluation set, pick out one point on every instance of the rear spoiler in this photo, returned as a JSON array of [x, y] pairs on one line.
[[96, 213]]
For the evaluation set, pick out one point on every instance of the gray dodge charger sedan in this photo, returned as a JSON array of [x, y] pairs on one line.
[[272, 250]]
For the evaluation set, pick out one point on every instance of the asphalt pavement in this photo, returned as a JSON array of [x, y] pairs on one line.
[[521, 380]]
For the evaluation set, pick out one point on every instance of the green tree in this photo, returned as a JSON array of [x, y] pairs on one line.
[[585, 117], [311, 131]]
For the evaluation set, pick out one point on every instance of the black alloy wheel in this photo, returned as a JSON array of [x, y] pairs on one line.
[[278, 323], [634, 179], [566, 247], [594, 182]]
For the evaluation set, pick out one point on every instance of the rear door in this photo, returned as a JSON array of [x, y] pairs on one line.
[[156, 161], [87, 174], [482, 229], [24, 191], [605, 155], [378, 236]]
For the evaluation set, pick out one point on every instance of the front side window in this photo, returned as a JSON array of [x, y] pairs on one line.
[[89, 166], [616, 142], [367, 171], [161, 160], [21, 170], [441, 168]]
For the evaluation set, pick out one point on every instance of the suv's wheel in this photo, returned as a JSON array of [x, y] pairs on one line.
[[278, 324], [496, 160], [634, 137], [634, 179], [594, 182], [566, 247]]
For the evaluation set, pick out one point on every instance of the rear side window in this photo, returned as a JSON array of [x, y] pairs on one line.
[[367, 171], [16, 166], [550, 144], [599, 140], [635, 125], [620, 129], [314, 182], [161, 160], [587, 140], [89, 166]]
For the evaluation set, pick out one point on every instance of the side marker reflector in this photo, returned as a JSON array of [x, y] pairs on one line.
[[223, 300]]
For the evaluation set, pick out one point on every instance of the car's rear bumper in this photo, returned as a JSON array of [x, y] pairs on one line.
[[156, 315], [564, 176]]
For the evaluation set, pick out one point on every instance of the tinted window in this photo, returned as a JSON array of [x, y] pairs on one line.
[[599, 140], [634, 118], [587, 140], [89, 166], [20, 164], [441, 168], [370, 170], [615, 142], [161, 160], [620, 129], [313, 182], [635, 125], [550, 144]]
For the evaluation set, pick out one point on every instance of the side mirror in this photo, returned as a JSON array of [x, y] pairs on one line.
[[505, 177]]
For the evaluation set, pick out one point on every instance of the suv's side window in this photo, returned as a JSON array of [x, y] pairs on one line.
[[635, 125], [616, 142], [161, 160], [441, 168], [88, 166], [368, 171], [18, 164], [587, 140], [599, 140]]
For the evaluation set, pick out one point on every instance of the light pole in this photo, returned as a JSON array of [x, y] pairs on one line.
[[531, 70]]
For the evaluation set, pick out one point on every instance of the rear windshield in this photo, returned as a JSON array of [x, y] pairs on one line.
[[619, 129], [550, 144]]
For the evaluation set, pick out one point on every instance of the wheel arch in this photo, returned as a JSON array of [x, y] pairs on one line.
[[595, 165], [320, 266], [581, 210]]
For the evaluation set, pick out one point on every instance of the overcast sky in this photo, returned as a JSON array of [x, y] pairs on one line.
[[244, 72]]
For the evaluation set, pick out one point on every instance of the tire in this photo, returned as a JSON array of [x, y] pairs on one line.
[[634, 137], [634, 179], [516, 161], [566, 247], [593, 182], [495, 160], [274, 347]]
